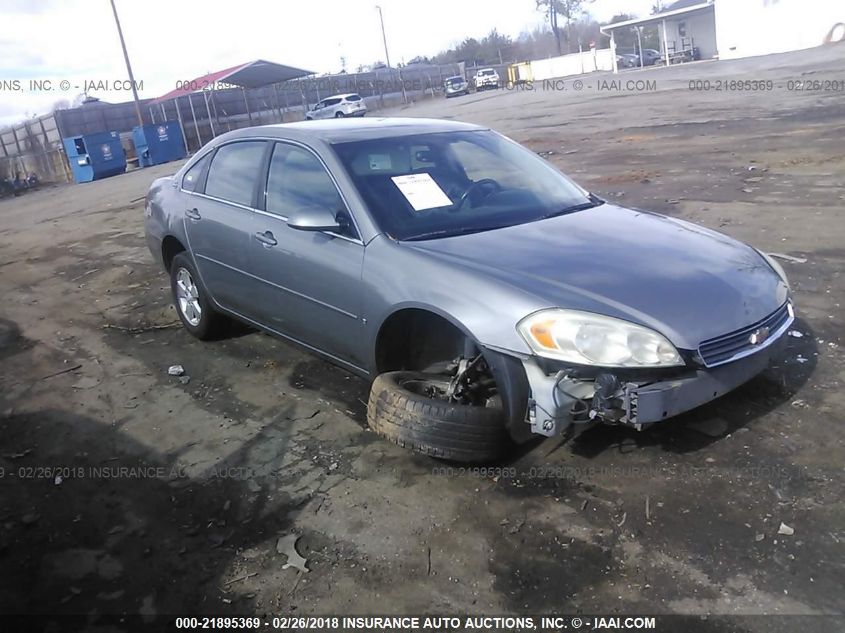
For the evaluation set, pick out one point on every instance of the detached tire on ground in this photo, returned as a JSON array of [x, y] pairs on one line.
[[434, 427]]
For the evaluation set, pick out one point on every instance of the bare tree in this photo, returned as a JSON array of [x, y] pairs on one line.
[[569, 9]]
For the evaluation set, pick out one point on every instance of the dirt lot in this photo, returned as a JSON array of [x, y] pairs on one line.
[[172, 494]]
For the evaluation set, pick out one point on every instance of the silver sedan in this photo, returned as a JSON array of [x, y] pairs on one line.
[[485, 295]]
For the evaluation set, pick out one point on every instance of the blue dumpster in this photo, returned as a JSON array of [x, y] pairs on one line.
[[158, 143], [95, 156]]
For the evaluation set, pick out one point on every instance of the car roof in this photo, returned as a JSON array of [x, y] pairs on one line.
[[351, 129], [343, 96], [454, 77]]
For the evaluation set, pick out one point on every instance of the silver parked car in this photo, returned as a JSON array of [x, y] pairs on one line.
[[483, 293], [337, 107], [455, 86]]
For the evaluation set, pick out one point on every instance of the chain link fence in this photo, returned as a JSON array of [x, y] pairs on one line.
[[33, 147]]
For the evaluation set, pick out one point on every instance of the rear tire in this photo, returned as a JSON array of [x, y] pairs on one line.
[[192, 301], [339, 115], [431, 426]]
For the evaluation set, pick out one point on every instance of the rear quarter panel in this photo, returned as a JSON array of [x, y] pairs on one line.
[[162, 215]]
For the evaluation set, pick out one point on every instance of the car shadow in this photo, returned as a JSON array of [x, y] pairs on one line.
[[11, 340], [688, 432], [96, 523], [235, 329]]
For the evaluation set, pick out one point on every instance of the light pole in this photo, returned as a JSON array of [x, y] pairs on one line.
[[383, 36], [128, 66]]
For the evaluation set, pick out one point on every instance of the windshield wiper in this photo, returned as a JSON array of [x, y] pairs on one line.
[[453, 232], [594, 202]]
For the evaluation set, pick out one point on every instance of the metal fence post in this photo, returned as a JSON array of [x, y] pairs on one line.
[[402, 83], [17, 143], [216, 114], [194, 116], [208, 112], [285, 95], [246, 103], [278, 103], [181, 124]]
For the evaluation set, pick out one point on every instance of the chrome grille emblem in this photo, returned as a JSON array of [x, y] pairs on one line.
[[759, 335]]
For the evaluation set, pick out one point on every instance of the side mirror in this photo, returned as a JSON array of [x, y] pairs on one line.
[[313, 219]]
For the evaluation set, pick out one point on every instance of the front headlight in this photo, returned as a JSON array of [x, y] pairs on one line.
[[594, 339]]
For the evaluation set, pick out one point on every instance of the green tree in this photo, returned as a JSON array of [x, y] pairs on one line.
[[496, 48]]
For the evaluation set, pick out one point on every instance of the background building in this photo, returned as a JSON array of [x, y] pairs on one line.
[[759, 27], [727, 29]]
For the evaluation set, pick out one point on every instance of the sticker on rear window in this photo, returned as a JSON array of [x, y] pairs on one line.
[[421, 191], [380, 162]]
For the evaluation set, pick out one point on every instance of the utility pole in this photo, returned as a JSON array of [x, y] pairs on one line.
[[640, 45], [128, 65], [383, 36]]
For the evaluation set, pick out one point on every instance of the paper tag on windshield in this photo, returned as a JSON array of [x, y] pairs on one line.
[[421, 191]]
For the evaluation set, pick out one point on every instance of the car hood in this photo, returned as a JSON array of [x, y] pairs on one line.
[[685, 281]]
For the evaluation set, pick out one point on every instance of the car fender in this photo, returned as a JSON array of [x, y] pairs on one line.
[[158, 223], [398, 276], [507, 369]]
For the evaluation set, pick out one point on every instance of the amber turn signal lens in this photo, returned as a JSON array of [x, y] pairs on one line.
[[542, 333]]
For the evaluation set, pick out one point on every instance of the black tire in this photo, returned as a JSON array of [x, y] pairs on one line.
[[339, 115], [433, 427], [210, 324]]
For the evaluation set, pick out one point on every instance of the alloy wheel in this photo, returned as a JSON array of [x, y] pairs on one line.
[[188, 297]]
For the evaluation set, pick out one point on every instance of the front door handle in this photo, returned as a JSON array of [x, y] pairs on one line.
[[266, 238], [193, 214]]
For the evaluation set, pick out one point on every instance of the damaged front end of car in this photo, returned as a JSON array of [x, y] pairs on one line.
[[647, 382]]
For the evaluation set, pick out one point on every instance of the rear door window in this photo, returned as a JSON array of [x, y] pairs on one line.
[[234, 170], [192, 177]]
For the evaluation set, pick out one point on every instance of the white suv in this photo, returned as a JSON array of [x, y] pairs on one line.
[[486, 78], [338, 106]]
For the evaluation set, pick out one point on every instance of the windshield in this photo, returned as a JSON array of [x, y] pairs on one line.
[[449, 183], [452, 81], [485, 73]]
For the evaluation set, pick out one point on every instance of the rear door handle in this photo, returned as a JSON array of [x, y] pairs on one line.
[[193, 214], [266, 238]]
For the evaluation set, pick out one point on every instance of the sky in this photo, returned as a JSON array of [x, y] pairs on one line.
[[172, 40]]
